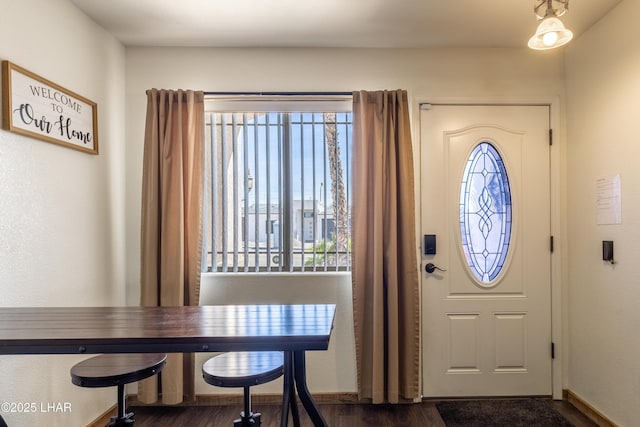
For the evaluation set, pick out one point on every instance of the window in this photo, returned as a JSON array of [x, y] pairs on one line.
[[278, 185], [485, 212]]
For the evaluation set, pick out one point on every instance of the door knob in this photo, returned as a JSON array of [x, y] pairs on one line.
[[431, 267]]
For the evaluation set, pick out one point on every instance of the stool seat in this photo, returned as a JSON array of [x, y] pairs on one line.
[[107, 370], [244, 369], [241, 369]]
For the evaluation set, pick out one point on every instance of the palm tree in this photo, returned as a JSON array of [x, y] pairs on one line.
[[338, 193]]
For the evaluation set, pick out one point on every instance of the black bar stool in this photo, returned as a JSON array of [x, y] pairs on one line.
[[108, 370], [244, 369]]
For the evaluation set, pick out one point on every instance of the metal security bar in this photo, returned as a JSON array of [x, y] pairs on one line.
[[278, 191]]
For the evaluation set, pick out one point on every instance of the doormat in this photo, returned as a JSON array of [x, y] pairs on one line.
[[500, 413]]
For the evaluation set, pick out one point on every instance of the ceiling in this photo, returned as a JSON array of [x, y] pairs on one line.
[[330, 23]]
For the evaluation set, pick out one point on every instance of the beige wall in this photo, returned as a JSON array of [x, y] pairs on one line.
[[603, 92], [61, 211]]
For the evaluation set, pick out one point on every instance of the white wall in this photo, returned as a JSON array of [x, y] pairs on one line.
[[427, 74], [603, 92], [61, 210]]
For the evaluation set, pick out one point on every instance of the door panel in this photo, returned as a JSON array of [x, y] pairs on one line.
[[486, 335]]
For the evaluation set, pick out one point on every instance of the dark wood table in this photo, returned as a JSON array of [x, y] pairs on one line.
[[293, 329]]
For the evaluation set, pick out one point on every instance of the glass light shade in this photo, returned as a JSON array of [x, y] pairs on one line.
[[550, 34]]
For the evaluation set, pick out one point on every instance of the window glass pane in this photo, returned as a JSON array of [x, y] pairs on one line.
[[485, 212], [278, 191]]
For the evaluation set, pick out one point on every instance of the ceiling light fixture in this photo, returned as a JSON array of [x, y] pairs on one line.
[[551, 33]]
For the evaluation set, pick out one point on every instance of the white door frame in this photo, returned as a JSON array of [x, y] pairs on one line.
[[558, 223]]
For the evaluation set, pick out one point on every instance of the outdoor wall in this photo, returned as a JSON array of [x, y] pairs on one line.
[[479, 75], [61, 210], [603, 111]]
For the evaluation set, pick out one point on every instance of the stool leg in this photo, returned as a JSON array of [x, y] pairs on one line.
[[121, 419], [247, 403], [121, 408], [247, 418]]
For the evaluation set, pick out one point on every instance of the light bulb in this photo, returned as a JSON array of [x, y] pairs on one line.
[[550, 38], [550, 34]]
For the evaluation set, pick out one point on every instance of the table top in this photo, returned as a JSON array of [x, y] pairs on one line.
[[91, 330]]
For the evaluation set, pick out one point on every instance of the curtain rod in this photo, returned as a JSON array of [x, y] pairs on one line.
[[280, 93]]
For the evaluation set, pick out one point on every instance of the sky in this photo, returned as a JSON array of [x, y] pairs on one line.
[[263, 149]]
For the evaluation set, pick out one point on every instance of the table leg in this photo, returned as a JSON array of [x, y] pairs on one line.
[[289, 393], [300, 375]]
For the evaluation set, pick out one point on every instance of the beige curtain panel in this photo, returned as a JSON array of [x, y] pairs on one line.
[[171, 245], [385, 271]]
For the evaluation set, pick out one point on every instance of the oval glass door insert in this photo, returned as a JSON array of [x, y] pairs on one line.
[[485, 213]]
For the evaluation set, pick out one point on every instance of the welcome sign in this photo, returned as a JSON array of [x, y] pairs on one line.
[[34, 106]]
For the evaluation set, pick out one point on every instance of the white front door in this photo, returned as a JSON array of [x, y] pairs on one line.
[[485, 195]]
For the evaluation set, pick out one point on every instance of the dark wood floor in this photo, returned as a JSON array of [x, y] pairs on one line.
[[337, 415]]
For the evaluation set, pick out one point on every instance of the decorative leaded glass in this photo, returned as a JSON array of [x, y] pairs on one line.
[[485, 212]]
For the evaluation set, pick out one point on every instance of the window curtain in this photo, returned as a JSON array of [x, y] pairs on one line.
[[171, 234], [384, 259]]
